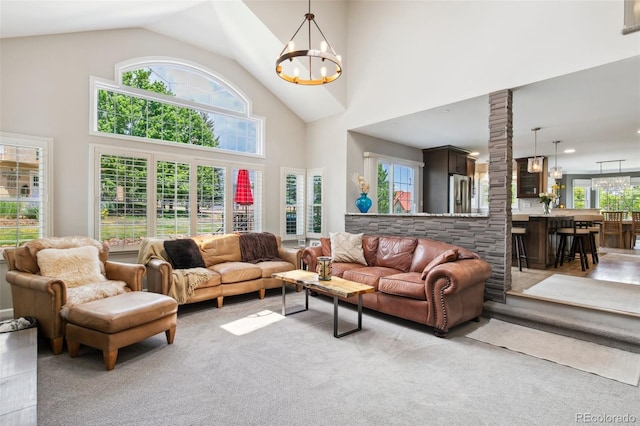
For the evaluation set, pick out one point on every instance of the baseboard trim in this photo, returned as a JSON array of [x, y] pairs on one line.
[[6, 314]]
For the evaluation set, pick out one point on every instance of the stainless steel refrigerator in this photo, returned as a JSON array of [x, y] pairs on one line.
[[459, 194]]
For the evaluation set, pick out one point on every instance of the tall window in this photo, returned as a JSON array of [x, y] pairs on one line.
[[24, 177], [173, 192], [394, 181], [176, 103], [294, 182], [185, 197], [315, 212], [581, 193]]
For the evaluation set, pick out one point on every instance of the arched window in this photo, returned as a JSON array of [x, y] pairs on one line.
[[170, 101], [170, 192]]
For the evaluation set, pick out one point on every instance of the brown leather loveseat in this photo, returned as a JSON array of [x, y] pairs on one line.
[[419, 279]]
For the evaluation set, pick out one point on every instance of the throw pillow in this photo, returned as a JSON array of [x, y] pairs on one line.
[[450, 255], [75, 266], [347, 248], [183, 254]]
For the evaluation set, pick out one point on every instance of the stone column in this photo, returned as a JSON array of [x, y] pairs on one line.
[[500, 176]]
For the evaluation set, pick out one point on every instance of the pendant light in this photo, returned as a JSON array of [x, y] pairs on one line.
[[556, 172], [534, 165], [323, 64]]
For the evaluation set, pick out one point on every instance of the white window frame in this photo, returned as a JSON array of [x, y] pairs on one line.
[[45, 175], [97, 150], [300, 205], [371, 161], [97, 84], [311, 174]]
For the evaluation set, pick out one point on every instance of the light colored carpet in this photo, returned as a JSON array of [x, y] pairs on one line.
[[589, 292], [252, 322], [604, 361], [295, 372]]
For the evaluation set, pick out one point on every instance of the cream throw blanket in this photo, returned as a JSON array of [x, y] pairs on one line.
[[184, 281]]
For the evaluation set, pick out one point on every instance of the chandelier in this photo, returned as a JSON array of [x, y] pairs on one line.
[[315, 60], [556, 172], [534, 164], [614, 185]]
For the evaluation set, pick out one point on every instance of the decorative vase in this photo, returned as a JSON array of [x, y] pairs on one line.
[[363, 203], [546, 209]]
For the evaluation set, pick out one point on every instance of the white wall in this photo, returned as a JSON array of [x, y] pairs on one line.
[[44, 91], [411, 56]]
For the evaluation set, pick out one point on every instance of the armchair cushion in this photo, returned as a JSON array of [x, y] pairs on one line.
[[183, 254], [75, 266], [90, 292]]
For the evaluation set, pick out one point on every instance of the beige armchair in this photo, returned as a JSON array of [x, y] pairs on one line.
[[43, 297]]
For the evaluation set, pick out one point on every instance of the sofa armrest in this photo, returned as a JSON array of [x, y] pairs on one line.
[[159, 276], [291, 255], [310, 257], [131, 273], [456, 292], [457, 275], [42, 298], [38, 283]]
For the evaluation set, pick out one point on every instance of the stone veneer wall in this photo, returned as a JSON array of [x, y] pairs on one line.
[[489, 236]]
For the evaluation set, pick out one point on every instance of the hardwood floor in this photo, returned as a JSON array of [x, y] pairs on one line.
[[620, 265]]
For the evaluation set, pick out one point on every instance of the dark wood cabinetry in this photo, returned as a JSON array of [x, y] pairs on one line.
[[439, 164], [457, 163], [529, 185]]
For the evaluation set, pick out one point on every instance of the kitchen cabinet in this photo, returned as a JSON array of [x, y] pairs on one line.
[[439, 164], [529, 185]]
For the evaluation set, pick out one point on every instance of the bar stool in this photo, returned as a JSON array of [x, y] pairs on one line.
[[580, 237], [518, 234], [593, 231]]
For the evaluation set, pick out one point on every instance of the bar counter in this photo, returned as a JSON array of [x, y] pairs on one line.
[[540, 239]]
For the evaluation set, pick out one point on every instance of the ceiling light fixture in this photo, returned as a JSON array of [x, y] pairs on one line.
[[556, 172], [614, 185], [288, 65], [534, 165]]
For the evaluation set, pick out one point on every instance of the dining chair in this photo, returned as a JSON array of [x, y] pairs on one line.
[[612, 226], [635, 227]]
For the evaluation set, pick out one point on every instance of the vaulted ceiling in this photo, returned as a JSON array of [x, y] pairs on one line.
[[595, 111]]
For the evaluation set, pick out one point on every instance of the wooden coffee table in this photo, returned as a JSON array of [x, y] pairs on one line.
[[336, 287]]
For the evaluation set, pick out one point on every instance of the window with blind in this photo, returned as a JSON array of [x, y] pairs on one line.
[[315, 213], [177, 202], [25, 169], [294, 193]]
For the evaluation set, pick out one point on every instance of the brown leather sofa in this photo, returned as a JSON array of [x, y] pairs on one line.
[[225, 273], [43, 297], [419, 279]]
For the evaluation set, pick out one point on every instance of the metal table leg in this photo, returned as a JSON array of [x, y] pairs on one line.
[[284, 300], [335, 318]]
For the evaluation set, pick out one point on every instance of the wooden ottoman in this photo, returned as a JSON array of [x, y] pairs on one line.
[[114, 322]]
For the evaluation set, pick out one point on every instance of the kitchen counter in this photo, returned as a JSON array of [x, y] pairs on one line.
[[540, 239]]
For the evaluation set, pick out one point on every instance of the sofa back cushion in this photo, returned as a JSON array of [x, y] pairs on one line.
[[370, 248], [428, 249], [219, 248], [395, 252]]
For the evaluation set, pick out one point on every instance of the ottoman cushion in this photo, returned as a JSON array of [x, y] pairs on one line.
[[122, 312]]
